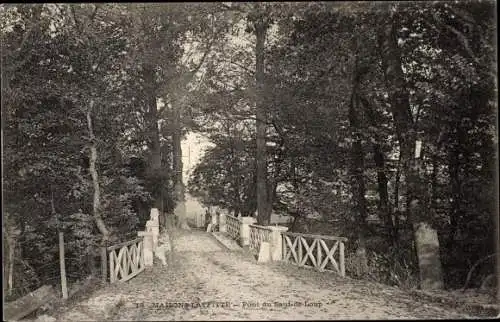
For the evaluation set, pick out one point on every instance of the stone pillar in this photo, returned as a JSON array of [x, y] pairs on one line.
[[245, 230], [222, 222], [147, 247], [154, 237], [427, 245], [155, 225], [277, 242]]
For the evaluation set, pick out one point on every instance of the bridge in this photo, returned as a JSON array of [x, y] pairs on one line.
[[209, 276]]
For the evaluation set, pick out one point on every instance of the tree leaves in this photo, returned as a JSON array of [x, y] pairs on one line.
[[310, 69]]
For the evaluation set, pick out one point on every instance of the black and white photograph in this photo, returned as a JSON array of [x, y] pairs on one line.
[[250, 161]]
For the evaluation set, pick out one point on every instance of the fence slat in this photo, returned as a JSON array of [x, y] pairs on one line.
[[318, 254], [341, 259], [299, 244]]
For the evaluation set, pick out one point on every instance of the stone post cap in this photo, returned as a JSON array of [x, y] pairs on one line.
[[248, 220]]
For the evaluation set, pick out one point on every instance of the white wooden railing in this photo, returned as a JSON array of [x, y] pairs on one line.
[[259, 234], [318, 251], [126, 260], [233, 227]]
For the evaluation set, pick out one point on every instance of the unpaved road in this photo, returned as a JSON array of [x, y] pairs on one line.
[[204, 281]]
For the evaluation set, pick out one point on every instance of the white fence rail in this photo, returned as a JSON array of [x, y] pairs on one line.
[[318, 251], [126, 260], [259, 234]]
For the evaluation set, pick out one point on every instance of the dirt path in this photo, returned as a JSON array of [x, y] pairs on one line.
[[204, 281]]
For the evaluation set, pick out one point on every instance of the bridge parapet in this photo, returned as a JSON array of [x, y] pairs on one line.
[[231, 226], [238, 228], [245, 223], [325, 253], [267, 234]]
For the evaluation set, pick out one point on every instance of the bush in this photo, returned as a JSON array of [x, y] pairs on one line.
[[392, 268]]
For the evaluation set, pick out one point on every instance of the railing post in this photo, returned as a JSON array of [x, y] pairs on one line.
[[245, 230], [277, 242], [222, 223], [104, 262], [112, 267], [299, 245], [341, 259], [147, 247], [62, 263]]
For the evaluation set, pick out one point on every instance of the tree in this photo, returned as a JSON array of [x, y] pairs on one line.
[[61, 59], [412, 85]]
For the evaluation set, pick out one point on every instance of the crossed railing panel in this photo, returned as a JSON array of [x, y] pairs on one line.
[[233, 227], [258, 234], [126, 260], [325, 253]]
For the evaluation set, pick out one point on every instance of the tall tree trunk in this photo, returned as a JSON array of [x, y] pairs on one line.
[[234, 170], [263, 213], [271, 194], [426, 241], [378, 156], [496, 217], [155, 166], [237, 193], [357, 168], [396, 211], [456, 212], [9, 248], [434, 182], [96, 202], [11, 266], [180, 207]]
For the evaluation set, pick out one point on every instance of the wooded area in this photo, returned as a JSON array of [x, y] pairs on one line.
[[376, 118]]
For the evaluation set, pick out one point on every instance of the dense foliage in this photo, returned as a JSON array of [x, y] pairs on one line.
[[333, 106], [314, 110], [85, 137]]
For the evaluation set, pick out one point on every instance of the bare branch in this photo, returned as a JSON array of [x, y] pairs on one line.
[[462, 14], [92, 16], [203, 58], [461, 37], [250, 71], [464, 41], [95, 176], [37, 15], [77, 22], [164, 108]]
